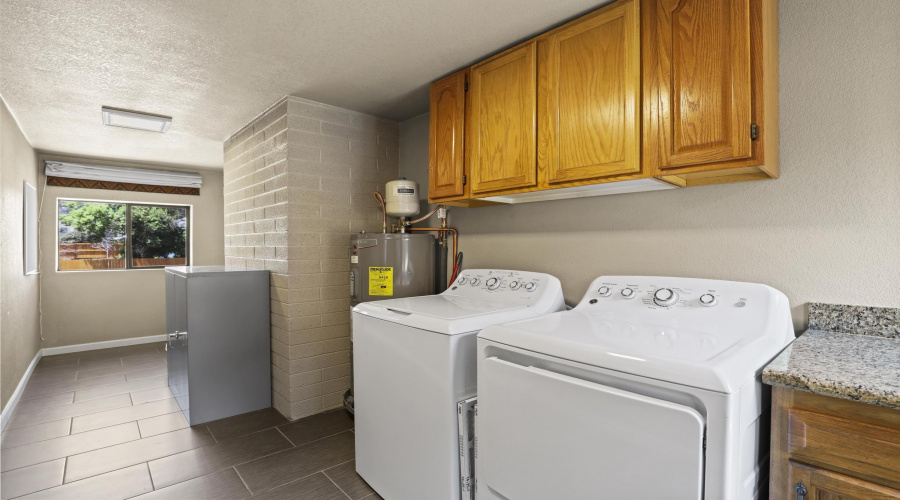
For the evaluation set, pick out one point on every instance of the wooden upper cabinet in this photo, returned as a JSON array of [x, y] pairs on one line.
[[589, 84], [501, 128], [446, 169], [697, 81]]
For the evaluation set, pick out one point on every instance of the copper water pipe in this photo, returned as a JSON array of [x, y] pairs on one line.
[[380, 200], [420, 219], [441, 230]]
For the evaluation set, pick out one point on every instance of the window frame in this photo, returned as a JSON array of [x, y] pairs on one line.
[[129, 265]]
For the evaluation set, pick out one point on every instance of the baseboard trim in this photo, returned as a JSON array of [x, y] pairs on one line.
[[50, 351], [17, 394]]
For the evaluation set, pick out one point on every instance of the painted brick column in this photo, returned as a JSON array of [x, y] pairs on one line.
[[298, 183]]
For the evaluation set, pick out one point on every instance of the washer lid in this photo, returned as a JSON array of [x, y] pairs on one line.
[[447, 314], [720, 360]]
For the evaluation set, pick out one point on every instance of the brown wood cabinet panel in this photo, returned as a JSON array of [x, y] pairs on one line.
[[697, 81], [847, 445], [501, 128], [589, 84], [835, 447], [446, 169], [822, 484]]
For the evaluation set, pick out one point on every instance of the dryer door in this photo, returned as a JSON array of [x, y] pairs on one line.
[[546, 435]]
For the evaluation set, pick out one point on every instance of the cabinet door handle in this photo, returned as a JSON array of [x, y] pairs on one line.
[[800, 489]]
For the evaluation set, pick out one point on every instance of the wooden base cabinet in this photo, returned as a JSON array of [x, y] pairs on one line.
[[828, 448]]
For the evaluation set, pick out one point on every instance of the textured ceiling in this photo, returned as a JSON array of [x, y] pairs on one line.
[[215, 64]]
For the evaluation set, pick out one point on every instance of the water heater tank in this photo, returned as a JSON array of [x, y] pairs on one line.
[[391, 266], [402, 198]]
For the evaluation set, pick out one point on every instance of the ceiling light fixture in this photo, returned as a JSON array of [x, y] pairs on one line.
[[116, 117]]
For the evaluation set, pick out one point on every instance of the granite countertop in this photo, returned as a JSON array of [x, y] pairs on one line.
[[854, 366]]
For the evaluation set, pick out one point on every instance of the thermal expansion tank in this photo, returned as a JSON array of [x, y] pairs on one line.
[[390, 266]]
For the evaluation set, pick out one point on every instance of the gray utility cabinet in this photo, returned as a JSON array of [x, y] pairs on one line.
[[218, 347]]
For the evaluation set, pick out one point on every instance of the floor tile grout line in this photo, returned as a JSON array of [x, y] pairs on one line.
[[152, 483], [50, 406], [297, 480], [135, 421], [241, 478], [80, 453], [215, 440], [340, 464], [6, 450], [321, 438], [70, 390], [235, 466], [139, 390], [73, 416], [50, 487], [285, 436], [119, 468], [335, 484]]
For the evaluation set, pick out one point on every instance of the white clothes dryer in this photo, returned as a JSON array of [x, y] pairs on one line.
[[414, 359], [649, 388]]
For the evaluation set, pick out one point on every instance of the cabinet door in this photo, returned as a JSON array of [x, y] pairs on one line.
[[821, 484], [697, 90], [501, 122], [446, 151], [589, 85]]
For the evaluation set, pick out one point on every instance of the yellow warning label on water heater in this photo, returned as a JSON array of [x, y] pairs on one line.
[[381, 281]]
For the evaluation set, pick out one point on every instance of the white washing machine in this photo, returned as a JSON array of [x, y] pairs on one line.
[[414, 359], [649, 388]]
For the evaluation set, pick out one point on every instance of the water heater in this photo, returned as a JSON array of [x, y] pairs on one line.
[[401, 198], [390, 266]]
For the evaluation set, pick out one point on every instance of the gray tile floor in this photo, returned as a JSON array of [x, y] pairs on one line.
[[103, 425]]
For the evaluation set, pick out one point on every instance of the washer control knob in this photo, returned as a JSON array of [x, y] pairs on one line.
[[462, 280], [628, 293], [474, 281], [665, 297], [493, 283], [514, 285], [604, 291], [530, 287], [708, 299]]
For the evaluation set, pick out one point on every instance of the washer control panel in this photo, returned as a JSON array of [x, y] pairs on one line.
[[502, 284]]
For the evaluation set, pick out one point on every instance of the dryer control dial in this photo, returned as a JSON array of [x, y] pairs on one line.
[[628, 293], [604, 291], [474, 281], [665, 297], [462, 280], [531, 287], [515, 285], [708, 299], [492, 283]]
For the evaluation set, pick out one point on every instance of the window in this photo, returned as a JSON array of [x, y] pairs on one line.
[[109, 235]]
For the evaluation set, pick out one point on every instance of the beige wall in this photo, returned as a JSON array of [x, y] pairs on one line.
[[828, 230], [298, 181], [95, 306], [19, 336]]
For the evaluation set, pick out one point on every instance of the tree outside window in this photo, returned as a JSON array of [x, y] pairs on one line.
[[98, 235]]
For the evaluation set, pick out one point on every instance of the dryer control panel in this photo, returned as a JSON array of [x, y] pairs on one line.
[[697, 302], [505, 285]]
